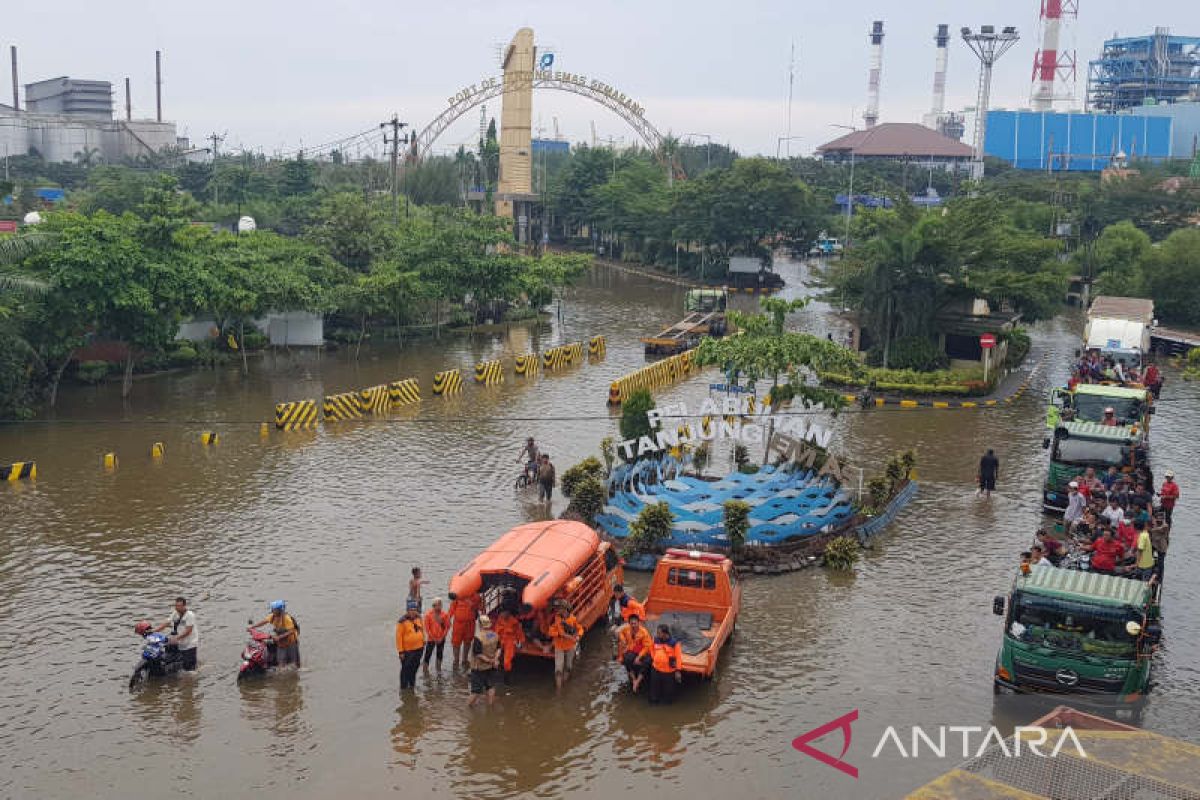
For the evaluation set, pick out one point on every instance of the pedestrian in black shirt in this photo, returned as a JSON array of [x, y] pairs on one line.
[[989, 465]]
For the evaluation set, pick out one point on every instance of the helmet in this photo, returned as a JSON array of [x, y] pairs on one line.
[[1170, 473], [278, 605], [142, 628], [1109, 410]]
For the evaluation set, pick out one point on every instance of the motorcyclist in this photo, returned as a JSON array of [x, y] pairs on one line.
[[286, 633], [531, 450], [184, 635]]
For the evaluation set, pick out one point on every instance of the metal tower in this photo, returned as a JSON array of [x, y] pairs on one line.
[[871, 115], [1050, 63], [988, 46]]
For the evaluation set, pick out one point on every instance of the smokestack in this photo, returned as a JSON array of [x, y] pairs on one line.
[[871, 115], [158, 83], [939, 71], [16, 97], [1049, 64], [128, 102]]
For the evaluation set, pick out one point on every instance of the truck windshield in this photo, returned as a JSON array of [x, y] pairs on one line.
[[1073, 626], [1090, 452], [1091, 407]]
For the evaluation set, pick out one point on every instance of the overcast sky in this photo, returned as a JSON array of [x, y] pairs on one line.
[[278, 75]]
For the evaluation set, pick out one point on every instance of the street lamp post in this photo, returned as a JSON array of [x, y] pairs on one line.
[[708, 149], [850, 188], [779, 143]]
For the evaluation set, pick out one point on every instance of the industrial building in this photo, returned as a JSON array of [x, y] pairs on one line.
[[1145, 70], [1050, 140], [67, 119], [1185, 125], [898, 141]]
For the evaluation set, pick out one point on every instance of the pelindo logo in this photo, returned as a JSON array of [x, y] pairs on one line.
[[934, 744]]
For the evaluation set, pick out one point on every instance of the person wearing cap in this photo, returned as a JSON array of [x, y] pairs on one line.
[[564, 634], [1075, 505], [286, 632], [1169, 494], [437, 625], [485, 657], [410, 644], [1110, 417], [627, 604]]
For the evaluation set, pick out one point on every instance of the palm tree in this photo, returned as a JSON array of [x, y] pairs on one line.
[[87, 157], [13, 251]]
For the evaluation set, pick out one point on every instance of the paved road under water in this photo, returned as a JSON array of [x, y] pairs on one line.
[[333, 520]]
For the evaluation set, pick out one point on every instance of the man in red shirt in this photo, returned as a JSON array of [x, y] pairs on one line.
[[1105, 552], [1169, 494]]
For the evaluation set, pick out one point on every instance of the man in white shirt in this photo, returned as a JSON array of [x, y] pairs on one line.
[[1113, 513], [1038, 557], [1075, 506], [184, 634]]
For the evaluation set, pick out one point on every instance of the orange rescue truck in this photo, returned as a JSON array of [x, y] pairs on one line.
[[698, 596], [534, 565]]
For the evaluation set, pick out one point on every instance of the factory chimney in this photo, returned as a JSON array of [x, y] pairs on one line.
[[1049, 63], [871, 115], [16, 97], [939, 71], [158, 83], [128, 102]]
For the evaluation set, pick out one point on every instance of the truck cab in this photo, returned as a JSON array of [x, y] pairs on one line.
[[1132, 406], [1074, 446], [698, 596], [1083, 633]]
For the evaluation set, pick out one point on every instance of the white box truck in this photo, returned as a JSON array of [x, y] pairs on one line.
[[1119, 327]]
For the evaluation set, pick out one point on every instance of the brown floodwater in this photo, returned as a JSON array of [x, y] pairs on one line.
[[333, 520]]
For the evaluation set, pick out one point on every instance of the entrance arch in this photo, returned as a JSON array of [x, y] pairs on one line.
[[598, 92]]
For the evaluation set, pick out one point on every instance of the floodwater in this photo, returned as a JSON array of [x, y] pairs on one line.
[[333, 520]]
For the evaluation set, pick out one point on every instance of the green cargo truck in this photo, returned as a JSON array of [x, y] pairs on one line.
[[1074, 446], [1068, 631]]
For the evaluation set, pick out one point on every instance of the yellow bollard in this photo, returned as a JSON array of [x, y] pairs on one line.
[[110, 461], [208, 438], [156, 450], [264, 430]]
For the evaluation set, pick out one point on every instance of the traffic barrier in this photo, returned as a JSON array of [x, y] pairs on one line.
[[574, 352], [527, 364], [375, 399], [880, 402], [208, 438], [652, 376], [597, 347], [264, 430], [157, 450], [405, 392], [489, 373], [296, 415], [562, 356], [20, 470], [110, 461], [447, 382], [347, 405]]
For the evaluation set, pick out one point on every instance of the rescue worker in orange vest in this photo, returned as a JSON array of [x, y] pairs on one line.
[[666, 659], [633, 650], [437, 625], [485, 655], [512, 638], [410, 643], [564, 632], [627, 604], [463, 611]]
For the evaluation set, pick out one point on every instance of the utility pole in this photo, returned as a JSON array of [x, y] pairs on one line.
[[394, 140], [216, 140]]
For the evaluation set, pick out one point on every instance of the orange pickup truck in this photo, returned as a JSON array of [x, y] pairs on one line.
[[697, 595]]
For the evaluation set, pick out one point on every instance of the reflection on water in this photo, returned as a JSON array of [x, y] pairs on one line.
[[332, 520]]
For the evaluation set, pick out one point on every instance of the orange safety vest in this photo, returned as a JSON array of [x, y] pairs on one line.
[[661, 654], [562, 639], [436, 625], [509, 630], [409, 636], [630, 607], [465, 609], [628, 641]]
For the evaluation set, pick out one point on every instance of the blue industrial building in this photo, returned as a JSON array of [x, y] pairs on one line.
[[551, 146], [1185, 125], [1076, 142]]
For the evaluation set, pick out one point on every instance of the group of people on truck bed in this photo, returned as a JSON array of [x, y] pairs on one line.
[[1093, 367], [485, 644], [1112, 518]]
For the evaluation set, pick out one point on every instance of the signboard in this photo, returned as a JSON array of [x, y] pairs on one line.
[[987, 341], [746, 265], [470, 93]]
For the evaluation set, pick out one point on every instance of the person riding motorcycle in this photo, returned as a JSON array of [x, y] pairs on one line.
[[286, 633]]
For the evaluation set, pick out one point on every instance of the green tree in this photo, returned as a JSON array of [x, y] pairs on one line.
[[737, 523], [1172, 277], [1116, 259], [634, 422]]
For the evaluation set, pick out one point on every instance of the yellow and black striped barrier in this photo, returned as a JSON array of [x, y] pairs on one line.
[[157, 450], [405, 392], [597, 347], [347, 405], [879, 402], [209, 438], [652, 376], [489, 373], [375, 399], [562, 356], [527, 364], [110, 461], [19, 470], [447, 382], [296, 415], [574, 352]]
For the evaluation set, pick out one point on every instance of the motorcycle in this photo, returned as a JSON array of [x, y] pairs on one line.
[[158, 659], [258, 656]]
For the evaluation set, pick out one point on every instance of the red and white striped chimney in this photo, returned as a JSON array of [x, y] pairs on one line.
[[1049, 63]]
